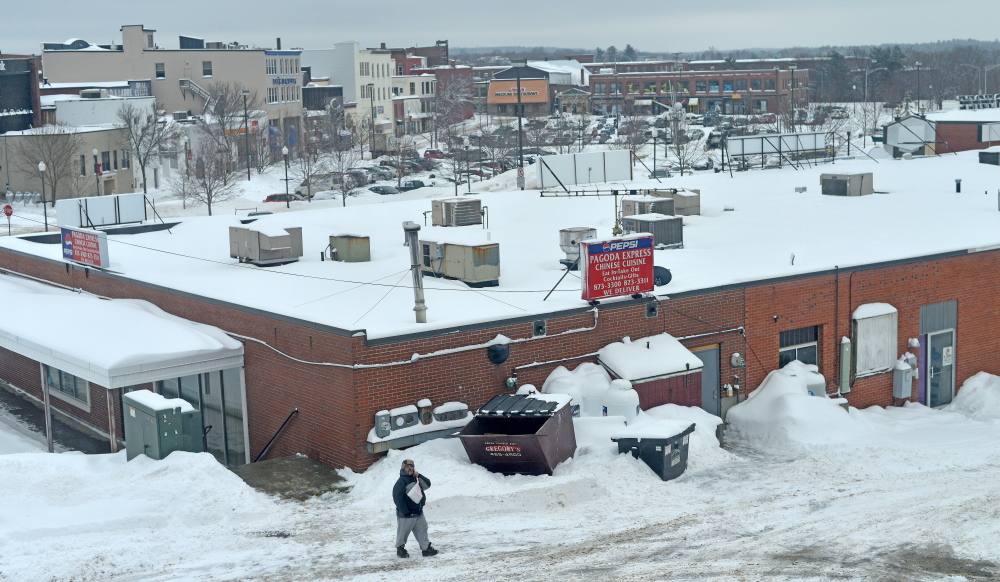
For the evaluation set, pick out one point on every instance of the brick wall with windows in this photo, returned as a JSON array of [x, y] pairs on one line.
[[337, 405]]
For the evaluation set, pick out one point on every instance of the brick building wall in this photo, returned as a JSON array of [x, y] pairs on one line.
[[959, 137], [337, 404]]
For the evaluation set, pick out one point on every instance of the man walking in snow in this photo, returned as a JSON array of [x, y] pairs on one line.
[[408, 495]]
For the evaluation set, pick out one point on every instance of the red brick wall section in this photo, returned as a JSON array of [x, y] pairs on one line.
[[337, 405], [813, 301], [959, 137]]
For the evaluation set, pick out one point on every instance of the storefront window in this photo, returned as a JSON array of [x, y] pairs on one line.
[[633, 88], [713, 86], [219, 397], [599, 88], [665, 87], [769, 85], [650, 87], [66, 384], [616, 88], [699, 86], [683, 86], [741, 85], [755, 84], [727, 85]]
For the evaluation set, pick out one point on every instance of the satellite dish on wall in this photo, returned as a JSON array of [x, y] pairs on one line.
[[661, 276], [498, 353]]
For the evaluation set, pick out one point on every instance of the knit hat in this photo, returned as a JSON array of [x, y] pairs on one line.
[[407, 462]]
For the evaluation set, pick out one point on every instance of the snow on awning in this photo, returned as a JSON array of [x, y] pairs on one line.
[[112, 343], [648, 358]]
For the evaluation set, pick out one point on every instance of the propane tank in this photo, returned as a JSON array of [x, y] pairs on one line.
[[621, 400]]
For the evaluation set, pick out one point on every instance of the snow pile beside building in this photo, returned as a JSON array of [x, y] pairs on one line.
[[781, 415], [76, 503], [979, 398]]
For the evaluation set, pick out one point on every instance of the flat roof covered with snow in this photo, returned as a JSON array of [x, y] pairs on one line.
[[113, 343], [917, 213]]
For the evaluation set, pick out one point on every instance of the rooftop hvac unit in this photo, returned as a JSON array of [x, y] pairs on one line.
[[456, 212], [181, 115], [476, 265], [350, 248], [846, 184], [265, 246], [633, 206], [666, 230]]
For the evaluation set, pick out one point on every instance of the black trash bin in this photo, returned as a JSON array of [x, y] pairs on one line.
[[666, 455], [520, 434]]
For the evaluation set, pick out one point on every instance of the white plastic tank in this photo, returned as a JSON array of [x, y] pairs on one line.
[[621, 400], [562, 381], [594, 381]]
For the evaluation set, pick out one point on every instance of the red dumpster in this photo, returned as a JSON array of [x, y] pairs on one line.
[[522, 434]]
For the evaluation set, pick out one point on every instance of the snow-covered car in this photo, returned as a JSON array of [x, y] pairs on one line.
[[384, 189]]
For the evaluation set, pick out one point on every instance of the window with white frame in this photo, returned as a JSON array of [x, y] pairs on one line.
[[800, 344], [875, 332], [206, 68], [271, 66], [272, 94], [67, 387]]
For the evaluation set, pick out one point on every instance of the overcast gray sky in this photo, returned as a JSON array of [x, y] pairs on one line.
[[658, 26]]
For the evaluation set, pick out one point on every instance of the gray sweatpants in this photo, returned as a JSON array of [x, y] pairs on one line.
[[418, 525]]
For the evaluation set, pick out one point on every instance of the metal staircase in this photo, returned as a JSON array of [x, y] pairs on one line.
[[195, 88]]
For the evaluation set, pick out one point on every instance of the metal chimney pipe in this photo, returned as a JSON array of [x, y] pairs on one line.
[[411, 229]]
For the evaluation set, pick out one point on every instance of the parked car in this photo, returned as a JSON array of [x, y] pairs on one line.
[[412, 185], [425, 164], [433, 153], [384, 190], [284, 198], [705, 164]]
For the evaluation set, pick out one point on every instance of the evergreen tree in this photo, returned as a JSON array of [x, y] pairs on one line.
[[612, 53], [629, 53], [599, 55]]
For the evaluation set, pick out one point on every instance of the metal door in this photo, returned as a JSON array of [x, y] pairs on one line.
[[150, 441], [710, 401], [941, 367]]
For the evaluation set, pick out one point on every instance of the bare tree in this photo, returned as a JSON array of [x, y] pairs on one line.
[[401, 152], [343, 158], [59, 147], [183, 185], [214, 177], [451, 103], [142, 133], [226, 115]]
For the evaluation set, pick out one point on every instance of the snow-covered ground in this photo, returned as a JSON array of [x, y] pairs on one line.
[[881, 494]]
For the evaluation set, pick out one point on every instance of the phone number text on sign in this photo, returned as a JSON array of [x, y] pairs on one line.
[[617, 267]]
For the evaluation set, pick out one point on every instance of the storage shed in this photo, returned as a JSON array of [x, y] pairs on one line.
[[660, 368]]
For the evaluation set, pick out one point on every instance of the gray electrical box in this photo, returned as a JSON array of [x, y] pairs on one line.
[[156, 426], [902, 377], [846, 184]]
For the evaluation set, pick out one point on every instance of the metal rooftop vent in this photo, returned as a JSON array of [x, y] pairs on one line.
[[569, 242]]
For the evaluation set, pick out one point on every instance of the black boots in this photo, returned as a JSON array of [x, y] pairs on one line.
[[430, 551], [402, 553]]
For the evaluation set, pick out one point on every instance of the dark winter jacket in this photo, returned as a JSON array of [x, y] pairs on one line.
[[405, 507]]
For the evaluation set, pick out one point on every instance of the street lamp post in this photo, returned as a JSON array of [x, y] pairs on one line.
[[371, 101], [97, 172], [918, 86], [854, 97], [45, 212], [655, 133], [518, 65], [792, 93], [986, 78], [468, 174], [284, 152], [979, 77], [246, 128], [874, 115]]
